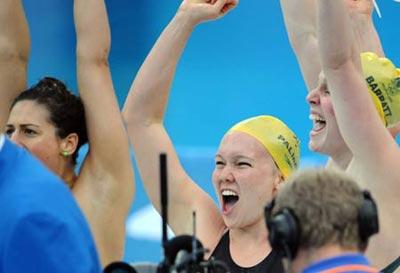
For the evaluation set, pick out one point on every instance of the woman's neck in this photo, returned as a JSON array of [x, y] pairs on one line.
[[69, 177], [249, 245], [340, 160]]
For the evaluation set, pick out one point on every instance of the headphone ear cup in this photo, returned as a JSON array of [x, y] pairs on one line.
[[368, 222], [182, 242], [283, 232]]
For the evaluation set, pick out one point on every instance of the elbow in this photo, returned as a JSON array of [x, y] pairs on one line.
[[92, 55], [334, 61], [301, 40], [132, 118], [136, 118], [14, 54]]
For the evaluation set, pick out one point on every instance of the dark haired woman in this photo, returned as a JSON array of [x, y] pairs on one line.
[[51, 122]]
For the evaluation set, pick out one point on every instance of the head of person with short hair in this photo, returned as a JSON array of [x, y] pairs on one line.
[[321, 220], [49, 121]]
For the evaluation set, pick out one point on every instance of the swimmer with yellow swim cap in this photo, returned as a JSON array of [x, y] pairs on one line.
[[252, 160], [376, 155], [325, 136]]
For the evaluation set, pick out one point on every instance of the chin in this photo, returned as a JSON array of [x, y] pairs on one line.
[[314, 147], [230, 222], [319, 146]]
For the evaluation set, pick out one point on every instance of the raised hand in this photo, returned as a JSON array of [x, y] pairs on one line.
[[204, 10], [360, 7], [367, 38]]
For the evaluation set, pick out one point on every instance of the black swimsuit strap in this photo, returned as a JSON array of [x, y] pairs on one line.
[[392, 266]]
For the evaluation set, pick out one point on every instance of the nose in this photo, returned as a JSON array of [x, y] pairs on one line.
[[313, 97], [226, 175]]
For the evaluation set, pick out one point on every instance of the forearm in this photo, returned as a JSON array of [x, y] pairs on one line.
[[93, 31], [14, 53], [300, 22], [335, 35], [367, 37], [300, 19], [149, 93]]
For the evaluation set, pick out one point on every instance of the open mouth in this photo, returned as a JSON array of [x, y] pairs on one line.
[[319, 122], [229, 199]]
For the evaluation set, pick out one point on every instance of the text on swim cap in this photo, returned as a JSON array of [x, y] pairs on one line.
[[289, 148], [377, 91]]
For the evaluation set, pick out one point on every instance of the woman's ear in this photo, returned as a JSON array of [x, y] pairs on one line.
[[278, 182], [69, 144]]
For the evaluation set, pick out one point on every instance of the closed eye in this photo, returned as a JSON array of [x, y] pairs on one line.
[[244, 164], [219, 163]]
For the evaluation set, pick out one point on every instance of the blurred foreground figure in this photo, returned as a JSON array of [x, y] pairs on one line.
[[321, 222]]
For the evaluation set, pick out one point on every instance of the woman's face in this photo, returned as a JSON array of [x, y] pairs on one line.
[[29, 126], [325, 136], [245, 178]]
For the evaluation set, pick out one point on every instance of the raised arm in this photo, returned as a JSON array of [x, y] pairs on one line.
[[376, 154], [14, 53], [300, 21], [358, 120], [105, 186], [365, 34], [144, 114]]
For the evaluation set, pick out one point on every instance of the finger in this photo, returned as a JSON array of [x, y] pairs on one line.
[[228, 7], [219, 4]]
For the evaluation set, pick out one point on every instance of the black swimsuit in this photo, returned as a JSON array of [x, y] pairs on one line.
[[272, 263]]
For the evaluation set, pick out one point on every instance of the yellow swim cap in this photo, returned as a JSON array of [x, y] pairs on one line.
[[383, 80], [276, 137]]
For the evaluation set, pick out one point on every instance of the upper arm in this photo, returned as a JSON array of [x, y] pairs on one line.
[[382, 180], [108, 142], [307, 56], [14, 51], [12, 82], [185, 196]]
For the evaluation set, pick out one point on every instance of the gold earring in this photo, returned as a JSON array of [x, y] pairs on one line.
[[64, 153]]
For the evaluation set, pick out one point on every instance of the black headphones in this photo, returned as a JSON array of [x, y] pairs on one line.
[[119, 267], [284, 229]]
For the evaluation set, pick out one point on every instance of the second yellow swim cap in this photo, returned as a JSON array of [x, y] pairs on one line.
[[276, 137], [383, 80]]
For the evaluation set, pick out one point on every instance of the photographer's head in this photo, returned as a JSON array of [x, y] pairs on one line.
[[320, 214]]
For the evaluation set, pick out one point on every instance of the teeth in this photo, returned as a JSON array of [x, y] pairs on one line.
[[316, 118], [228, 193]]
